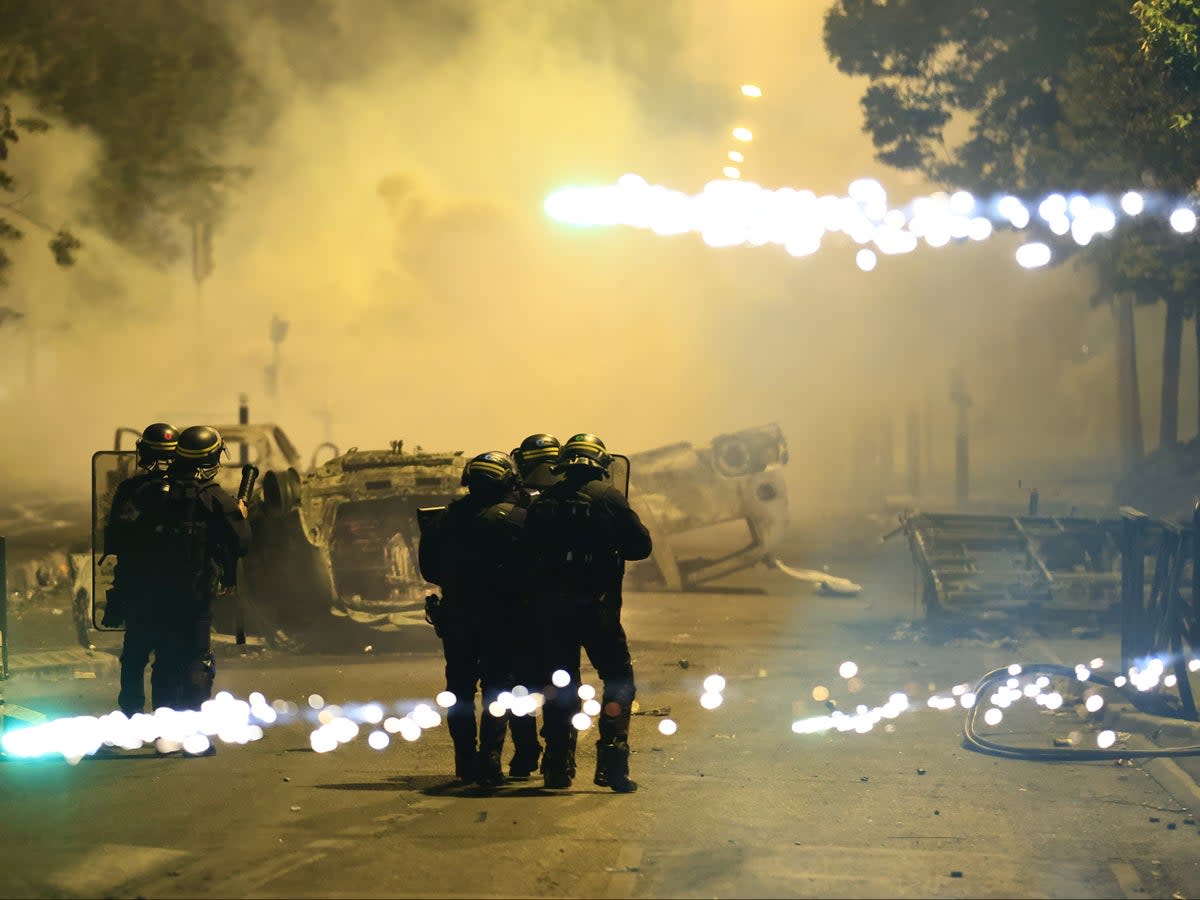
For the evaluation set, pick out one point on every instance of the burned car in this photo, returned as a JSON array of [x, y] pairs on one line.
[[336, 548], [333, 562], [711, 510]]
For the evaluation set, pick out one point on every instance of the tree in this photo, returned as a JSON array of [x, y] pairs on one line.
[[63, 244], [1169, 40], [159, 82], [1047, 95]]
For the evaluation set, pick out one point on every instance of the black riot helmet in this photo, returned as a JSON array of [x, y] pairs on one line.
[[156, 447], [491, 472], [199, 452], [535, 450], [584, 449]]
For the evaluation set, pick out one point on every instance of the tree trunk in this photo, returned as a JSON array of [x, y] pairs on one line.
[[1168, 435], [1129, 404], [1196, 326]]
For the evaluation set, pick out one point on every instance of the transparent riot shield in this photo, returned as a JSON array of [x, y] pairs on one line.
[[619, 472], [109, 468]]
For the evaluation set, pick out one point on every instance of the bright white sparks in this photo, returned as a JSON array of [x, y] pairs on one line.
[[1033, 256], [751, 90], [735, 156], [667, 727], [581, 721], [586, 692], [711, 699], [866, 260], [742, 134], [848, 669], [1183, 220], [734, 212], [446, 699], [1106, 739], [714, 684], [993, 716], [560, 678], [1132, 203]]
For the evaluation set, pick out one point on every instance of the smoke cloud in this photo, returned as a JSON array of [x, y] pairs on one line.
[[393, 219]]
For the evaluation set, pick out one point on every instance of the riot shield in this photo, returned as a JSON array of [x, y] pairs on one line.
[[109, 468], [618, 470]]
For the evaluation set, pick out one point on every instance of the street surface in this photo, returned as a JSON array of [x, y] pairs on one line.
[[734, 804]]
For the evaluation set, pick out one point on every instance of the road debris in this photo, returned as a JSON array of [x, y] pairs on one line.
[[829, 585], [656, 711]]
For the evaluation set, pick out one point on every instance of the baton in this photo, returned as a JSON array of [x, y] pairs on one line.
[[245, 488]]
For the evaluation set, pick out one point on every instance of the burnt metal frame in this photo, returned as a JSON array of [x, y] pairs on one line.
[[1160, 621]]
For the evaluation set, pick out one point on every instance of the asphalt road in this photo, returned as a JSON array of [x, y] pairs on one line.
[[734, 804]]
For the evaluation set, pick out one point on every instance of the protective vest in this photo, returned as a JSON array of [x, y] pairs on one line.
[[571, 543], [170, 532]]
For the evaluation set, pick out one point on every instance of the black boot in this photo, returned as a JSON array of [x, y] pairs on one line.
[[466, 764], [554, 770], [612, 766], [524, 762], [490, 773], [601, 776]]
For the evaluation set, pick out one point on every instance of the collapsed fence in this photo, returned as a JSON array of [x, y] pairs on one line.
[[1134, 573]]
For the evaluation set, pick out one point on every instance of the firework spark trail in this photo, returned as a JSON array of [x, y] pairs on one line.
[[233, 721], [230, 720], [739, 213]]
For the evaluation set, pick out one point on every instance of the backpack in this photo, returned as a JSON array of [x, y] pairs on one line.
[[170, 532], [568, 543]]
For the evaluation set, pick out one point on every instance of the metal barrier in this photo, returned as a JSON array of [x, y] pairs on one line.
[[1159, 618]]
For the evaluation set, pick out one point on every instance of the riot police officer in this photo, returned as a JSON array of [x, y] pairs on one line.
[[180, 549], [579, 533], [470, 550], [537, 462], [155, 449]]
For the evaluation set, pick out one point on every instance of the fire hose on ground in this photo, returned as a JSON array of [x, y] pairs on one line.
[[973, 741]]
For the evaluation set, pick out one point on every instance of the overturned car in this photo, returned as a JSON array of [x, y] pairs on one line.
[[333, 563]]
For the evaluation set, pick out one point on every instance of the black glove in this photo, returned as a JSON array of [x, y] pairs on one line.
[[114, 609], [433, 610]]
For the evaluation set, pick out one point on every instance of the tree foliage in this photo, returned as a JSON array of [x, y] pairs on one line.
[[159, 82], [1027, 97], [64, 244], [1169, 39]]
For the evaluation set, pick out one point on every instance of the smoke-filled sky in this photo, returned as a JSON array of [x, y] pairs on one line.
[[394, 219]]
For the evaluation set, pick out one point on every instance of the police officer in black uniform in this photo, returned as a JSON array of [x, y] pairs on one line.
[[579, 533], [470, 549], [537, 461], [155, 450], [180, 549]]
